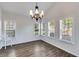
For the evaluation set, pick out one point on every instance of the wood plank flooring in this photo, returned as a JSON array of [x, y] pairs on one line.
[[34, 49]]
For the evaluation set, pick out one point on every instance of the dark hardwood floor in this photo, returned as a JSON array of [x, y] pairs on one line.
[[34, 49]]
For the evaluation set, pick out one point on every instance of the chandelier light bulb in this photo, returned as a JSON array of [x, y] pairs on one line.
[[42, 14], [36, 11], [31, 12]]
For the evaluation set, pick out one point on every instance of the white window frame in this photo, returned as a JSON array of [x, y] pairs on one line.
[[49, 29], [61, 31]]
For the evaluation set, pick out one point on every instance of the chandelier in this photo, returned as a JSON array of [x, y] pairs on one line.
[[37, 14]]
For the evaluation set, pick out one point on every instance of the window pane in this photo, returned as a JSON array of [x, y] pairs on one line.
[[45, 29], [36, 27], [9, 28], [66, 29], [0, 29], [51, 28]]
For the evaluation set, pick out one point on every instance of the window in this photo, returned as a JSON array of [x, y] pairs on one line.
[[0, 28], [51, 28], [66, 29], [9, 28], [36, 29], [44, 29]]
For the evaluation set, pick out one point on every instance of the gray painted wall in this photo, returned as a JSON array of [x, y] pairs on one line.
[[24, 27], [56, 13]]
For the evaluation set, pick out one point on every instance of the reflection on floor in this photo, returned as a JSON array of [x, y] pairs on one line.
[[34, 49]]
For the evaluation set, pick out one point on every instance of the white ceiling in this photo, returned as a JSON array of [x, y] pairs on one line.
[[24, 7]]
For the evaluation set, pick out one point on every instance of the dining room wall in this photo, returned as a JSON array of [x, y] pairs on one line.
[[59, 11], [24, 27]]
